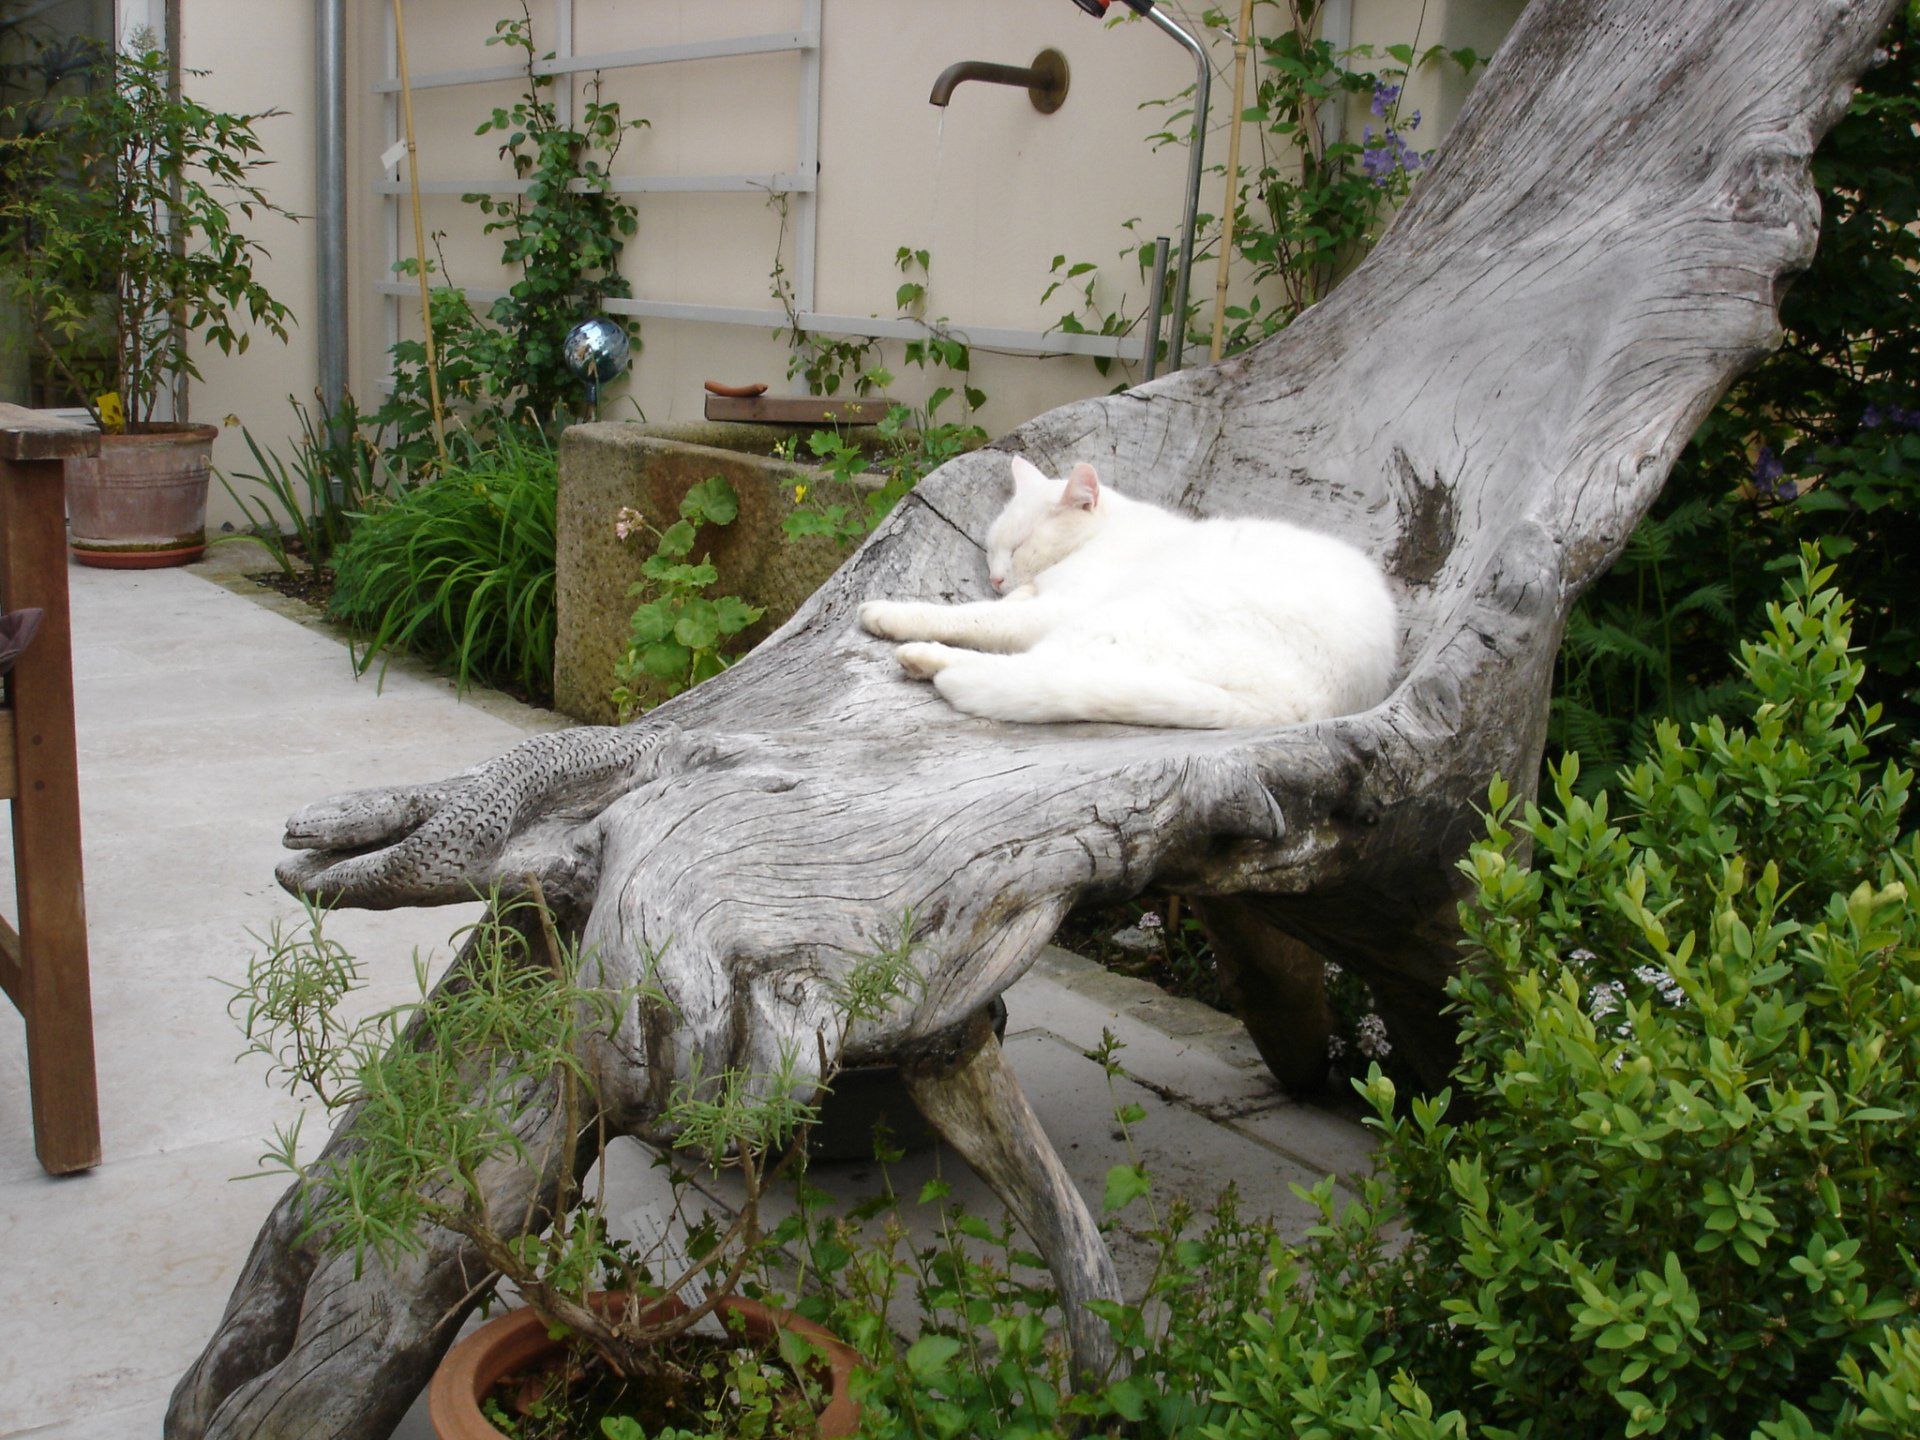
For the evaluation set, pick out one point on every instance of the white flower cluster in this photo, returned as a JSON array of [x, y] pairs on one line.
[[1371, 1037], [1664, 985], [1149, 921], [1336, 1047], [1606, 998]]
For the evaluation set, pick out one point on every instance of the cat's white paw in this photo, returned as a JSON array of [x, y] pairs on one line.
[[923, 660], [885, 618]]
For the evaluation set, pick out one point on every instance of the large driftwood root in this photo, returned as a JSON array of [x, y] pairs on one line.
[[1276, 985], [977, 1106], [522, 814], [1490, 403]]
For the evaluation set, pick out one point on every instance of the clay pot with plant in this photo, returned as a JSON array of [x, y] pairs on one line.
[[120, 242], [616, 1341]]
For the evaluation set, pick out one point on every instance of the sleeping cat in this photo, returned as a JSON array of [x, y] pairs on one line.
[[1117, 610]]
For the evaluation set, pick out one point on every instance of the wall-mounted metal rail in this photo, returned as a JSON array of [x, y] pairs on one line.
[[984, 337], [801, 184], [567, 63]]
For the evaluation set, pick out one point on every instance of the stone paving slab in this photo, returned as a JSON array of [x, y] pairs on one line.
[[209, 708]]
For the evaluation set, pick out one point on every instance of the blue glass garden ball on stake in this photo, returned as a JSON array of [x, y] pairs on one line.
[[596, 350]]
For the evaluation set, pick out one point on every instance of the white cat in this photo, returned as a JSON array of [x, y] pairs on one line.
[[1117, 610]]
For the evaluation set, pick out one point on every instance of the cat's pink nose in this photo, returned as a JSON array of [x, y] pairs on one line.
[[999, 582]]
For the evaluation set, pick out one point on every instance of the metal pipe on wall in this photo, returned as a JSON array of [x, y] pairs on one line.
[[1156, 290], [1196, 167], [330, 202]]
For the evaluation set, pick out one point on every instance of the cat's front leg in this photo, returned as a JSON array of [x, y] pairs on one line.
[[923, 659], [899, 619], [992, 625]]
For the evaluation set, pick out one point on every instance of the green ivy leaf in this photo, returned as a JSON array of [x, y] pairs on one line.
[[698, 627], [1129, 1399], [735, 614], [711, 502], [650, 623], [666, 660], [1125, 1184], [677, 539], [929, 1356]]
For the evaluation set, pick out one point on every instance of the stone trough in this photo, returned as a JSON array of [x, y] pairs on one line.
[[607, 465]]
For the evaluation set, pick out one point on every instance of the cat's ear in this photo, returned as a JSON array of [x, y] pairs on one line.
[[1083, 488], [1026, 474]]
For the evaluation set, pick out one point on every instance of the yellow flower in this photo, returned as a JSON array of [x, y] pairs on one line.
[[799, 493]]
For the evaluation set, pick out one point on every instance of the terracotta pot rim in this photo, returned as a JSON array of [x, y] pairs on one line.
[[163, 433], [476, 1364]]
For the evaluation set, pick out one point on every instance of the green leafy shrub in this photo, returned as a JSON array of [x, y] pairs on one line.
[[120, 230], [460, 568], [562, 237], [986, 1358], [856, 489], [1679, 1201]]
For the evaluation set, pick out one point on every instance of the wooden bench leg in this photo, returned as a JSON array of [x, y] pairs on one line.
[[51, 967]]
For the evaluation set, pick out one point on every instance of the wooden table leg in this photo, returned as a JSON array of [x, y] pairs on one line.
[[56, 998]]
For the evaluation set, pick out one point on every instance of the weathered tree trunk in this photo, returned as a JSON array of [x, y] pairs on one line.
[[1489, 403], [1278, 985]]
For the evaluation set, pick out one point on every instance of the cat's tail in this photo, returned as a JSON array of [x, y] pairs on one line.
[[1050, 690]]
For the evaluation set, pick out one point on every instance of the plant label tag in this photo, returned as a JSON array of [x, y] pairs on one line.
[[393, 154]]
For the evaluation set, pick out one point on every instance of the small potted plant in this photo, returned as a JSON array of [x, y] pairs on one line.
[[607, 1347], [118, 239]]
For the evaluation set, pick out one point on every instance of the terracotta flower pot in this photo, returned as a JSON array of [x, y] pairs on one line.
[[143, 503], [471, 1369]]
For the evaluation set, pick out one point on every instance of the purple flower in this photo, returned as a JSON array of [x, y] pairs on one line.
[[1385, 97], [1382, 156], [1768, 470], [1875, 416]]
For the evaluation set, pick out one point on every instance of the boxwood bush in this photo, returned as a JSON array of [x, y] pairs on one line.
[[1673, 1191]]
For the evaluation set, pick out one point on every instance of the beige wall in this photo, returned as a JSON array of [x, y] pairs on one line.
[[259, 56], [991, 187]]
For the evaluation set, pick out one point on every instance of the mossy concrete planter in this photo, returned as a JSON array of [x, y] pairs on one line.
[[608, 465], [142, 503]]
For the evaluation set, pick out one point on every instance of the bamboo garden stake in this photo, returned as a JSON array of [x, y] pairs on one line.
[[419, 232], [1242, 41]]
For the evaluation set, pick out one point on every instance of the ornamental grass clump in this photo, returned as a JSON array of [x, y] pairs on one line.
[[460, 569], [1680, 1196]]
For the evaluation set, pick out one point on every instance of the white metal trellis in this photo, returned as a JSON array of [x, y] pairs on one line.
[[801, 183]]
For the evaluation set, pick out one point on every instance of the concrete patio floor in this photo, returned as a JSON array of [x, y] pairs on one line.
[[209, 708]]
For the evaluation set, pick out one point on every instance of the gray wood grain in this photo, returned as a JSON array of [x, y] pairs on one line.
[[1489, 403]]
